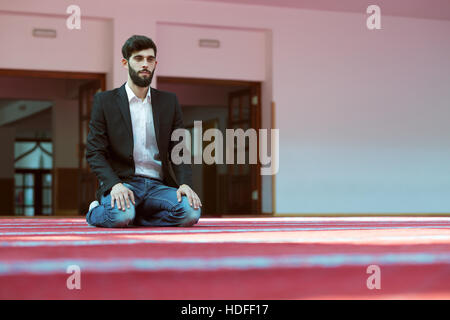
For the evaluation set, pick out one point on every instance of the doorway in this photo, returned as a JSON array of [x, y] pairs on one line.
[[43, 116], [225, 189]]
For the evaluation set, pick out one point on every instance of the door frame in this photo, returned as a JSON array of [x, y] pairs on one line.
[[46, 74], [255, 87]]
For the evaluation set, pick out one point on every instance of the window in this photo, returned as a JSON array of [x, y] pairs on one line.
[[33, 178]]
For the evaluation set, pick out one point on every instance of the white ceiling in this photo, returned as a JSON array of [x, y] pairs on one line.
[[428, 9]]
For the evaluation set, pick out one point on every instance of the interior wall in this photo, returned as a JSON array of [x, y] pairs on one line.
[[240, 55], [363, 115]]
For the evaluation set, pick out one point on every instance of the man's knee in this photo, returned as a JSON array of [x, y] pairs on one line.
[[120, 219], [114, 217], [191, 216], [107, 217]]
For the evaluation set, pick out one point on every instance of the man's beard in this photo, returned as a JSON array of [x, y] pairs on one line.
[[138, 80]]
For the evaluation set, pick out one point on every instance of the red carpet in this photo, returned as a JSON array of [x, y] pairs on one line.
[[239, 258]]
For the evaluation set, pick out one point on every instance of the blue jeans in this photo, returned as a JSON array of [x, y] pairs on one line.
[[155, 205]]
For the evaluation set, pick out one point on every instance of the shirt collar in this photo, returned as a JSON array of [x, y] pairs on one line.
[[131, 94]]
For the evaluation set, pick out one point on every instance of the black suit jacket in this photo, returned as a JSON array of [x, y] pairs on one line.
[[109, 147]]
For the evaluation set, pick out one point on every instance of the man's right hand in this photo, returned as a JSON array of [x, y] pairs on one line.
[[121, 195]]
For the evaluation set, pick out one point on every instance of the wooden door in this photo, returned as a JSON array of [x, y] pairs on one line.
[[87, 181], [209, 176], [243, 180]]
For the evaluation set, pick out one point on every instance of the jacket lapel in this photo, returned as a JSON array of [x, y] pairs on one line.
[[124, 107], [156, 110]]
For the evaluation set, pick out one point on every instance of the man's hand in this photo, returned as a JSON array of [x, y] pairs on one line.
[[190, 194], [121, 195]]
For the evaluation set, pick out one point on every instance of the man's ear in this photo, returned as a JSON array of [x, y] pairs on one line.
[[125, 63]]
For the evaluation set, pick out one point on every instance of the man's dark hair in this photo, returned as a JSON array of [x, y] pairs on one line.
[[137, 43]]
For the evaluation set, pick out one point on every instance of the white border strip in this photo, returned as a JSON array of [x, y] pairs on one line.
[[212, 264]]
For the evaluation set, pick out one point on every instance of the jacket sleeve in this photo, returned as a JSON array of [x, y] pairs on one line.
[[183, 171], [97, 146]]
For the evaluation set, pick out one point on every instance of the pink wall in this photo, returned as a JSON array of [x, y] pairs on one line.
[[87, 49], [363, 114], [241, 54]]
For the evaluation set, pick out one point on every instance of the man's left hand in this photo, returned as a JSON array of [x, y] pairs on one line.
[[193, 198]]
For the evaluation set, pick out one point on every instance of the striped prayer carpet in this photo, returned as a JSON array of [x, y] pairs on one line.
[[228, 258]]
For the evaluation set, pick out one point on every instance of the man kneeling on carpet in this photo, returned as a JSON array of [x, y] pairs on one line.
[[128, 148]]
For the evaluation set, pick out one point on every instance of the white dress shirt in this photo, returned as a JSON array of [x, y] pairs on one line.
[[146, 153]]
